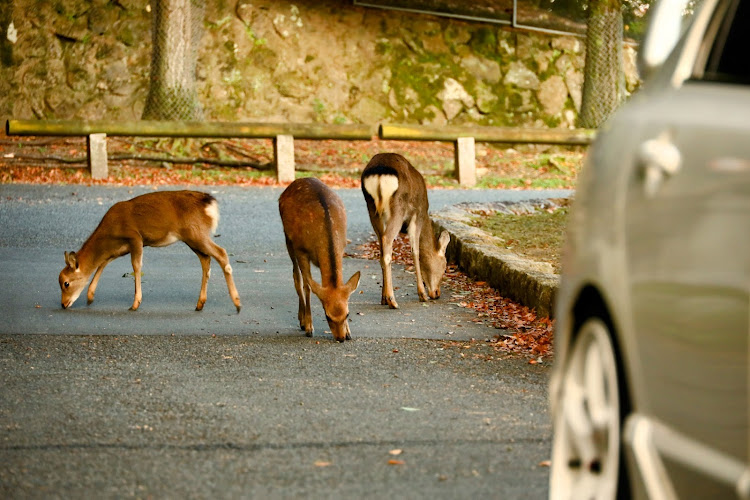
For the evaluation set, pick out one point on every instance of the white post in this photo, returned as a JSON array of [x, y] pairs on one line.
[[283, 153], [465, 161], [97, 149]]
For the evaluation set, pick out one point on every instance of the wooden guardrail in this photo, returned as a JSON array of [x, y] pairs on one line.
[[465, 136], [283, 135]]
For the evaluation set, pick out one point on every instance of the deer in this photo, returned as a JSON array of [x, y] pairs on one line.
[[314, 221], [151, 220], [396, 197]]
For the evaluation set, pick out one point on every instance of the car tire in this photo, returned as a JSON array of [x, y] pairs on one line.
[[587, 457]]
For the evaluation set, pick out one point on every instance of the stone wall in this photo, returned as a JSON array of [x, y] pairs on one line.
[[302, 61]]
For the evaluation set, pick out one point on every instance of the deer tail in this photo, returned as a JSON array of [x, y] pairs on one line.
[[381, 187]]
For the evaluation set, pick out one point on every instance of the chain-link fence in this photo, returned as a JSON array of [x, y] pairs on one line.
[[177, 30]]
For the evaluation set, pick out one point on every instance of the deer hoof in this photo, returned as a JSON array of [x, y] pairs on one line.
[[423, 297], [348, 336], [239, 306]]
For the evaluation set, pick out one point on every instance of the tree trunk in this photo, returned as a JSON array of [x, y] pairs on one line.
[[604, 79], [176, 34], [7, 36]]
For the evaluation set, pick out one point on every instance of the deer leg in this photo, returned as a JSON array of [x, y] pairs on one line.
[[297, 285], [136, 258], [211, 249], [307, 323], [95, 282], [206, 268], [386, 256], [414, 233]]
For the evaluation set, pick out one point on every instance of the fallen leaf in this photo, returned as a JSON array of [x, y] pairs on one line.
[[407, 408], [545, 463], [396, 452], [396, 462], [322, 463]]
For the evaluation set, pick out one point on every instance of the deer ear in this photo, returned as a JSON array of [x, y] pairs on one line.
[[445, 238], [316, 289], [353, 283], [71, 260]]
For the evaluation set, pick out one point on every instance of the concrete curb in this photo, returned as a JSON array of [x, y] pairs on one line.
[[480, 255]]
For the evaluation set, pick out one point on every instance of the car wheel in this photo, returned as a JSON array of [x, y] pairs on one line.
[[586, 454]]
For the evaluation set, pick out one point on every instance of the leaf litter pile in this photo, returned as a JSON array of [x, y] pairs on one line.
[[525, 332]]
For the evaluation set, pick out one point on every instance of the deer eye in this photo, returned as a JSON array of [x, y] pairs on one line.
[[66, 284]]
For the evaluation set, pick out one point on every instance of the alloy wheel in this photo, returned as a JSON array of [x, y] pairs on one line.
[[586, 443]]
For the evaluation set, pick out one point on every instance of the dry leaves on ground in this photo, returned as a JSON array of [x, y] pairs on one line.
[[526, 332]]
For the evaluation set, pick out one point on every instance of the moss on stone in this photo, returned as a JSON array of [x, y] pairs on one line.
[[484, 41]]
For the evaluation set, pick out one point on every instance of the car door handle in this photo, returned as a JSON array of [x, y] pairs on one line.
[[659, 158]]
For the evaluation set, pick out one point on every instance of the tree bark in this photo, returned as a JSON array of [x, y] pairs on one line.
[[176, 35], [604, 78]]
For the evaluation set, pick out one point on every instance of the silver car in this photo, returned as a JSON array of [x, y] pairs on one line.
[[649, 392]]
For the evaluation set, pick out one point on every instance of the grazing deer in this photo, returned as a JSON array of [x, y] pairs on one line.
[[314, 223], [396, 198], [152, 220]]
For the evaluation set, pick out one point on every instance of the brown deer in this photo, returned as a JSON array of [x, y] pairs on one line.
[[314, 223], [396, 198], [153, 220]]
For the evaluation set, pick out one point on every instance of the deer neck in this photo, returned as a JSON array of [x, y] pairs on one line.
[[94, 252], [331, 270], [426, 238]]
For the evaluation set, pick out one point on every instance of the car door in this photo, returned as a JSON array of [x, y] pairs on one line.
[[687, 234]]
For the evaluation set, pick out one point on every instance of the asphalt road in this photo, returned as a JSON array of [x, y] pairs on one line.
[[167, 402]]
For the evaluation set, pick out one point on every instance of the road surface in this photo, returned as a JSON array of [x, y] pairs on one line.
[[167, 402]]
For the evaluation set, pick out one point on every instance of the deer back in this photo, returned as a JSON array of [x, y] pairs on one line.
[[314, 221], [390, 181], [165, 217]]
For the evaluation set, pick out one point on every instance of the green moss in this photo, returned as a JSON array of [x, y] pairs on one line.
[[383, 47], [538, 236], [424, 74], [484, 41], [319, 109]]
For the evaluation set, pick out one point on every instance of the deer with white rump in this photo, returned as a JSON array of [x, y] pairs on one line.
[[396, 197], [314, 223], [156, 220]]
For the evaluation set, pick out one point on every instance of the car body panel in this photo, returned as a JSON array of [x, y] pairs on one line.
[[664, 246]]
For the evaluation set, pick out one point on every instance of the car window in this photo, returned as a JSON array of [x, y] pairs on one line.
[[728, 59]]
